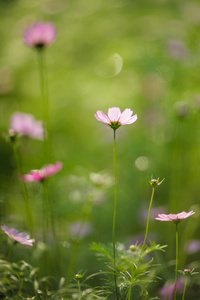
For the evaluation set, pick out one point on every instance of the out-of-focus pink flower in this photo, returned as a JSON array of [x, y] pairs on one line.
[[139, 239], [26, 125], [115, 117], [177, 49], [167, 291], [193, 246], [176, 218], [44, 172], [22, 238], [39, 35], [79, 229], [143, 213]]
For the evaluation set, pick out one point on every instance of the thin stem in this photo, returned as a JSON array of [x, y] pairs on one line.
[[44, 216], [130, 287], [86, 212], [129, 292], [9, 253], [176, 261], [20, 288], [8, 259], [184, 288], [115, 211], [48, 213], [73, 258], [47, 148], [24, 189], [45, 225], [44, 95], [147, 226], [79, 287]]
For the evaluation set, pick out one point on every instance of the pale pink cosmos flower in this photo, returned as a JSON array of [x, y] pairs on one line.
[[143, 214], [79, 229], [167, 291], [193, 246], [115, 117], [39, 35], [45, 172], [22, 238], [26, 125], [176, 218]]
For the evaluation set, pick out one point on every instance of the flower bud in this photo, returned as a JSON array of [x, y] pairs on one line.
[[12, 135], [79, 276], [133, 248], [155, 182]]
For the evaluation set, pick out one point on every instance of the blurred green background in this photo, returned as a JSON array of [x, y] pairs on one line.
[[143, 55]]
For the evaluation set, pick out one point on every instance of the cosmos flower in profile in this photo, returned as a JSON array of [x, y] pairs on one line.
[[39, 35], [25, 125], [115, 117], [45, 172], [175, 218], [22, 238]]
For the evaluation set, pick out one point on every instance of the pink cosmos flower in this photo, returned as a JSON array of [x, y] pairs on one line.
[[80, 229], [26, 125], [44, 172], [22, 238], [193, 246], [39, 35], [167, 291], [115, 117], [176, 218]]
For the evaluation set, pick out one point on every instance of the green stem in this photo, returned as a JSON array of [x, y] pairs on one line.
[[24, 189], [79, 287], [47, 149], [45, 227], [9, 253], [48, 213], [176, 261], [147, 226], [20, 288], [44, 95], [115, 211], [46, 220], [130, 287], [8, 259], [129, 292], [184, 288], [44, 214], [86, 212]]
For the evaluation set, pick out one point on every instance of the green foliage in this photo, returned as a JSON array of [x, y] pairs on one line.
[[159, 80], [23, 281], [153, 247], [102, 252], [134, 269], [19, 279]]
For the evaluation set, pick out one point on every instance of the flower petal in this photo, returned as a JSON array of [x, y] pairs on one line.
[[114, 114], [130, 121], [31, 177], [22, 238], [25, 124], [101, 117], [49, 170], [175, 217], [126, 114], [40, 33]]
